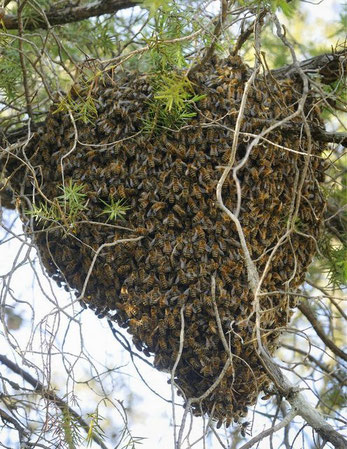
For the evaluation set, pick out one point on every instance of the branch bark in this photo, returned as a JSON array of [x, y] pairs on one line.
[[48, 394], [330, 66], [300, 405], [309, 314], [69, 14]]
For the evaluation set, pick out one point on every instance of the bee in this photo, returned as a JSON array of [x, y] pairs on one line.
[[134, 323], [196, 191], [121, 191], [171, 320], [188, 310], [162, 343], [171, 198], [178, 209], [130, 309], [171, 220], [216, 251], [201, 246], [237, 270], [123, 269], [163, 281], [205, 175], [162, 327], [185, 191], [208, 300], [187, 249], [176, 186], [198, 217], [196, 304], [156, 207], [150, 280], [207, 370], [167, 247]]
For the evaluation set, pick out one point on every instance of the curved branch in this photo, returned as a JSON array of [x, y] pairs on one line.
[[69, 14], [300, 404], [308, 312], [329, 65], [49, 394]]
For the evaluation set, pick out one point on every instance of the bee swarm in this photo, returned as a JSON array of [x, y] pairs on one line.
[[168, 180]]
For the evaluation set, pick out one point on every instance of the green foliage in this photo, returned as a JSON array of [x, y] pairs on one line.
[[173, 91], [168, 24], [333, 246], [71, 429], [287, 8], [72, 197], [172, 103], [115, 209], [10, 70], [65, 209], [154, 5], [43, 212], [83, 108], [130, 442], [95, 429]]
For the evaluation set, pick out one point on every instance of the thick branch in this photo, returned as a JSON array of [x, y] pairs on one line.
[[49, 394], [300, 405], [308, 312], [330, 66], [69, 14]]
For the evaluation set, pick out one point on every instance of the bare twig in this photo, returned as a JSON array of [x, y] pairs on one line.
[[309, 314], [50, 395]]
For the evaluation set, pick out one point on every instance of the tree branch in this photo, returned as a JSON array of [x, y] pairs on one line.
[[49, 394], [69, 14], [308, 312], [300, 405], [330, 66], [330, 372], [265, 433]]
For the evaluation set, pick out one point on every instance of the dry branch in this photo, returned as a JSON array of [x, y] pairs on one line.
[[50, 395], [309, 314], [330, 66], [69, 14]]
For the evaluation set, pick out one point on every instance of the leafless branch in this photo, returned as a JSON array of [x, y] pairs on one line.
[[330, 66], [49, 394], [309, 314]]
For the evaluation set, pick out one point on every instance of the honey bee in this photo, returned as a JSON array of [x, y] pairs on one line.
[[201, 246], [171, 321], [130, 309], [162, 343], [121, 191], [178, 209], [198, 217], [158, 206], [163, 281], [167, 247], [196, 305], [171, 220], [196, 191], [176, 185], [150, 280], [188, 310], [207, 370]]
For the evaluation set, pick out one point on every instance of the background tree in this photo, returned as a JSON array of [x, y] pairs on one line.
[[54, 51]]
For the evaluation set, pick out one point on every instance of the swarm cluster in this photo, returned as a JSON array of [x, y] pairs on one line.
[[168, 179]]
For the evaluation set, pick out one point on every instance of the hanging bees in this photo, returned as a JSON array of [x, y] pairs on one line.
[[175, 236]]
